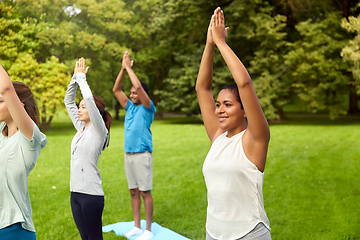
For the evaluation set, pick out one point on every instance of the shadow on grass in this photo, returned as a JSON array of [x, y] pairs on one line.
[[170, 120], [317, 120], [182, 120], [61, 128], [293, 119]]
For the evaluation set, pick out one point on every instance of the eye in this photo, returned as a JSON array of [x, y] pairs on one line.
[[217, 105]]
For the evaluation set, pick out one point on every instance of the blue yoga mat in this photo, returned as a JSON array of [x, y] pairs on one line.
[[160, 233]]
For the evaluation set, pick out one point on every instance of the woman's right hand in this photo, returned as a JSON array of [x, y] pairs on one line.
[[80, 66], [218, 29]]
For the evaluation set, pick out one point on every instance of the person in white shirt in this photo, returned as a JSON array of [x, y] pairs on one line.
[[239, 135], [92, 123], [20, 144]]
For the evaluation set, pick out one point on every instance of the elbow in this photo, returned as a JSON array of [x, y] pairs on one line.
[[5, 89], [197, 86], [267, 134], [117, 89], [244, 83], [138, 87]]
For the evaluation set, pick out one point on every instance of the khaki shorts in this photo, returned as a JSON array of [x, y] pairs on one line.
[[138, 170]]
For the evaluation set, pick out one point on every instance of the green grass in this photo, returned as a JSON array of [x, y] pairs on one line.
[[311, 186]]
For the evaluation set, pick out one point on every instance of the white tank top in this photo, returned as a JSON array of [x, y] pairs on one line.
[[234, 185]]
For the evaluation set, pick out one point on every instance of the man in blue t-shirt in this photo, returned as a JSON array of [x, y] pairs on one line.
[[140, 111]]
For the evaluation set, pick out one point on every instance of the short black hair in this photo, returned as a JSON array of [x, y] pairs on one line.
[[235, 90], [145, 87]]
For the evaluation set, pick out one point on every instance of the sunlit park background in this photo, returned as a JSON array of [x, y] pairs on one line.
[[303, 57]]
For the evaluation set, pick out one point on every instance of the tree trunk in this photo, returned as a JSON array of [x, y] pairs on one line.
[[353, 98], [45, 126], [117, 110], [353, 101], [281, 113]]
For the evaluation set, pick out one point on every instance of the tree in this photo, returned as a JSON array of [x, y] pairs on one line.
[[19, 46], [48, 82], [16, 36], [95, 30], [320, 75], [351, 55], [182, 31]]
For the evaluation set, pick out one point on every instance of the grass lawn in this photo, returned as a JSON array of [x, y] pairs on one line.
[[311, 187]]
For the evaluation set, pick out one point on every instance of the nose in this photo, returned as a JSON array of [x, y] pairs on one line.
[[219, 109]]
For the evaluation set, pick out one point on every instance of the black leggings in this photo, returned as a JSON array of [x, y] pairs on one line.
[[87, 211]]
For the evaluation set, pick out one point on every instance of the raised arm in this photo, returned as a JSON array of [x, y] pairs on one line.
[[70, 103], [94, 113], [257, 123], [144, 97], [204, 87], [16, 108], [257, 136], [117, 89]]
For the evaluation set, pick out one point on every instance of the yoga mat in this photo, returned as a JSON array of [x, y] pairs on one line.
[[160, 233]]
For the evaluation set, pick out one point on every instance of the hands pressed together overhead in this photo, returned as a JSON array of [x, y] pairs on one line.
[[80, 66], [217, 32], [126, 62]]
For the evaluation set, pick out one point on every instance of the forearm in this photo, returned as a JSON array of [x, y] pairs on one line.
[[205, 75], [119, 81], [5, 82], [71, 91], [84, 86], [236, 67], [93, 111], [70, 103], [133, 78]]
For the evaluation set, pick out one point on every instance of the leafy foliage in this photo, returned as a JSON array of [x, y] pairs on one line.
[[351, 52], [47, 81], [18, 45], [315, 62], [291, 48]]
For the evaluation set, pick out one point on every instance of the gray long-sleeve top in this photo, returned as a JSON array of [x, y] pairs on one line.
[[88, 144]]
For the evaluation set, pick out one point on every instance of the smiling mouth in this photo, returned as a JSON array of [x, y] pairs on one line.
[[221, 119]]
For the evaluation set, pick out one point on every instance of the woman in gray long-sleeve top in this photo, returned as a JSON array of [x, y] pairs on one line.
[[92, 123]]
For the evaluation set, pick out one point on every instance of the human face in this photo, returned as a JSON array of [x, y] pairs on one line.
[[134, 97], [83, 113], [4, 111], [229, 112]]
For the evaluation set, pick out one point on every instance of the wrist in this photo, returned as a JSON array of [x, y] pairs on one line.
[[220, 44], [210, 46]]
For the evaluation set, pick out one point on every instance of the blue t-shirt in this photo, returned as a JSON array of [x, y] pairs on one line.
[[138, 137]]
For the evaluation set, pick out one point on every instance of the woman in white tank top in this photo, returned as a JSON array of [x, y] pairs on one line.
[[239, 135]]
